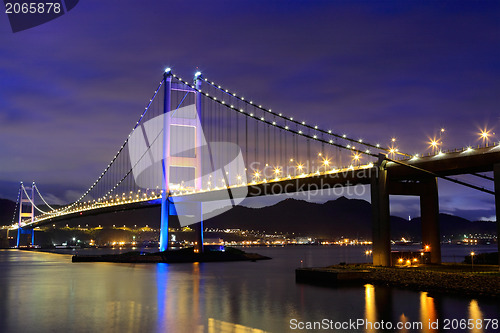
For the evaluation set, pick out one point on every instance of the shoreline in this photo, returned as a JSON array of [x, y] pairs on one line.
[[456, 279]]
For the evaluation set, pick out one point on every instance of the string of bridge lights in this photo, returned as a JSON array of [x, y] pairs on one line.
[[32, 203], [156, 194], [94, 205], [17, 203], [41, 197], [288, 128]]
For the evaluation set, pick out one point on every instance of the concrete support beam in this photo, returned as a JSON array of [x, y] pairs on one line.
[[381, 232], [404, 188], [429, 208], [496, 175]]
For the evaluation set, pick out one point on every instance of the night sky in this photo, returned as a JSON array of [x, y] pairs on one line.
[[72, 88]]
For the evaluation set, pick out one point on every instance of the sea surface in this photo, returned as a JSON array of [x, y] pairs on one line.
[[45, 292]]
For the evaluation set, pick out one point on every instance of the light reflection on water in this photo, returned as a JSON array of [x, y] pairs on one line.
[[219, 326], [46, 292], [475, 314], [370, 311], [427, 311]]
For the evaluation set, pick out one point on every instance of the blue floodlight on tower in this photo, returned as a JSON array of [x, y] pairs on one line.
[[20, 230]]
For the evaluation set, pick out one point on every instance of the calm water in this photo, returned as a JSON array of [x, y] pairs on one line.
[[45, 292]]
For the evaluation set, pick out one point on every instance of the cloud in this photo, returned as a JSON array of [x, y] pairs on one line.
[[72, 196], [492, 218], [52, 199]]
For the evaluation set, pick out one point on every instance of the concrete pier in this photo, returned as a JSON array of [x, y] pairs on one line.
[[429, 211], [381, 232]]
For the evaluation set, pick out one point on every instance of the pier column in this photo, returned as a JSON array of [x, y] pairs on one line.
[[381, 233], [496, 175], [429, 209]]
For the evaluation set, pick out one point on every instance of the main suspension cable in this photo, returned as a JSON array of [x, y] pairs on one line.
[[17, 204], [27, 196], [287, 128], [316, 128], [41, 197]]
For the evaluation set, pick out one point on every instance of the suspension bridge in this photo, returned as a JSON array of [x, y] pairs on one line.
[[199, 149]]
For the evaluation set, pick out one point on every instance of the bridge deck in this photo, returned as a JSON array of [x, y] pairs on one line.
[[449, 164], [446, 164]]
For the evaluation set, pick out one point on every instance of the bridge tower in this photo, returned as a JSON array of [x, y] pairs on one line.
[[426, 188], [181, 156], [22, 213], [165, 203]]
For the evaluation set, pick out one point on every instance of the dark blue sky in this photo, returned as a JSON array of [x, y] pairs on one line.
[[71, 89]]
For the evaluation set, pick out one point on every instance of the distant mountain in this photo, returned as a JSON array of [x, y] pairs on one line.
[[332, 219], [453, 226]]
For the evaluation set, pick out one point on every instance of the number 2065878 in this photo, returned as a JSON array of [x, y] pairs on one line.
[[462, 324], [33, 8]]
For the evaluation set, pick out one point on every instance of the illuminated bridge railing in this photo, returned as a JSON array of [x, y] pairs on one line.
[[121, 201]]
